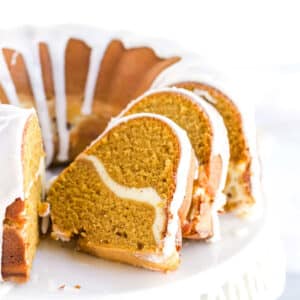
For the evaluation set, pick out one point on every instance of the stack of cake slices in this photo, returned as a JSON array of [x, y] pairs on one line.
[[162, 170]]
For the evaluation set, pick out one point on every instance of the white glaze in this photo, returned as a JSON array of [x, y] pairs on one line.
[[57, 53], [12, 124], [32, 60], [13, 121], [94, 67], [169, 243], [45, 222]]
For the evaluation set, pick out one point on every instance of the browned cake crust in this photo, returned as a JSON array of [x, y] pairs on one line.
[[184, 210], [120, 255], [3, 97], [14, 265]]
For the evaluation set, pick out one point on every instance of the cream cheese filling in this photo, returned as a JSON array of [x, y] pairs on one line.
[[146, 195]]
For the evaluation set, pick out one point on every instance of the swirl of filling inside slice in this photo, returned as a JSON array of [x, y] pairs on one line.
[[122, 197]]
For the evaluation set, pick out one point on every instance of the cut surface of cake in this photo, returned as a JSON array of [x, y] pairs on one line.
[[124, 198], [21, 189], [208, 137]]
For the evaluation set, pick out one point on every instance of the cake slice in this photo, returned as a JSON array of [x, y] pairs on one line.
[[243, 180], [208, 137], [125, 196], [21, 189]]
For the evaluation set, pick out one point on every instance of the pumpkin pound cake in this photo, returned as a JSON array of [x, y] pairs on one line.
[[21, 189], [124, 198], [208, 136]]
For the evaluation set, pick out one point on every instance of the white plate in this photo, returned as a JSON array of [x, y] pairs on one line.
[[57, 268]]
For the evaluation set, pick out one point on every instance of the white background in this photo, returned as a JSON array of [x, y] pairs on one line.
[[254, 43]]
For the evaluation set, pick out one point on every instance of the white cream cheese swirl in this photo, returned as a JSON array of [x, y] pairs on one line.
[[150, 195]]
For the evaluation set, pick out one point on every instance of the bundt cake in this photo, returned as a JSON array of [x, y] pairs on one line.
[[208, 136], [125, 197], [21, 190], [77, 79]]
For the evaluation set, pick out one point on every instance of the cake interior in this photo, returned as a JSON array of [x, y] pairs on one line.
[[140, 153], [189, 116], [21, 230]]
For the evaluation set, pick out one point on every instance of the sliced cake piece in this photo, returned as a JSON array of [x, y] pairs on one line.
[[243, 180], [125, 196], [208, 137], [21, 189]]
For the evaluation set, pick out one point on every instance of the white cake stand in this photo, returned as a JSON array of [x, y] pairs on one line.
[[247, 263]]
